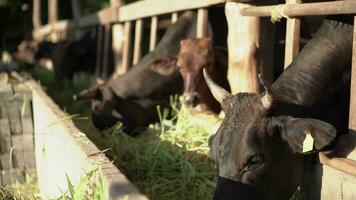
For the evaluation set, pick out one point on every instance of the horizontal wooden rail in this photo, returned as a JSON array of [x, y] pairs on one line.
[[342, 164], [148, 8], [305, 9], [103, 17]]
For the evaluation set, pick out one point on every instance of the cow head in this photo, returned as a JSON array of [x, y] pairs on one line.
[[194, 55], [258, 153]]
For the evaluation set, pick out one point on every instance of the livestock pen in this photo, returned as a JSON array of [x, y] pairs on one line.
[[335, 177]]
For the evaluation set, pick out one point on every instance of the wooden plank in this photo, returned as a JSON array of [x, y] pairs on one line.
[[174, 17], [352, 115], [138, 40], [126, 48], [153, 34], [150, 8], [104, 16], [202, 22], [36, 14], [292, 38], [99, 47], [305, 9], [106, 51]]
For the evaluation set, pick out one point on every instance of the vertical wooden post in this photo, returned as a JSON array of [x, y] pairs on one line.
[[106, 51], [138, 40], [292, 39], [126, 48], [352, 115], [249, 48], [99, 48], [52, 11], [202, 22], [36, 14], [174, 17], [53, 17], [76, 9], [153, 34], [117, 39]]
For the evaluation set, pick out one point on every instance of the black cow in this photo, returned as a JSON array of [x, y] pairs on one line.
[[258, 148], [132, 98], [70, 57]]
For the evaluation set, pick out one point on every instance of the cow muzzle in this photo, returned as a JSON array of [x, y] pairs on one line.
[[191, 100], [227, 189]]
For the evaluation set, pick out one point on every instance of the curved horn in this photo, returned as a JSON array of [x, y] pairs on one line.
[[218, 92], [267, 99]]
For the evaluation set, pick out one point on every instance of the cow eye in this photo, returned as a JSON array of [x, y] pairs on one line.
[[256, 160]]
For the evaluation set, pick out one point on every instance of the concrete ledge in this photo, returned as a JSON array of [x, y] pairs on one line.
[[62, 149]]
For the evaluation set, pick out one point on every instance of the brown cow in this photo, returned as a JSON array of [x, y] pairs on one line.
[[194, 55]]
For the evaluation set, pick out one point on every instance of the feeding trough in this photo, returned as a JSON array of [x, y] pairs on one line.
[[42, 136]]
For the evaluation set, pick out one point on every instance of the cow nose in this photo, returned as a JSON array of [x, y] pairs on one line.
[[191, 100]]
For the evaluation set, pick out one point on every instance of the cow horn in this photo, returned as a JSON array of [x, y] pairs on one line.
[[218, 92], [267, 99]]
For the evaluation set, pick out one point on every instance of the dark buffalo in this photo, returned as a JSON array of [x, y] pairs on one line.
[[194, 55], [258, 148], [132, 98]]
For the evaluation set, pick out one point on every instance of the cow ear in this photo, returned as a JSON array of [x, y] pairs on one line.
[[164, 65], [296, 132], [92, 93]]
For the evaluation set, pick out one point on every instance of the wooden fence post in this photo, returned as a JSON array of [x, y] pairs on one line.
[[138, 41], [117, 39], [352, 117], [126, 54], [106, 51], [250, 49], [52, 18], [99, 47], [292, 39], [36, 14], [153, 34], [202, 22]]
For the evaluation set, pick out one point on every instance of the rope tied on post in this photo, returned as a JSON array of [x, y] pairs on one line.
[[277, 12]]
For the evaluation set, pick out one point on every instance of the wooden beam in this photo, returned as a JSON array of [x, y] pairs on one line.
[[202, 22], [148, 8], [352, 115], [305, 9], [292, 38], [153, 34], [126, 48], [138, 41], [36, 14], [103, 17], [174, 17]]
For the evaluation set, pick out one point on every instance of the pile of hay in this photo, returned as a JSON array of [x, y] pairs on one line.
[[167, 163]]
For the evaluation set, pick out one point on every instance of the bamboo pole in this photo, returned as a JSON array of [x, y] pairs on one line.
[[153, 34], [292, 38], [138, 41], [202, 22]]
